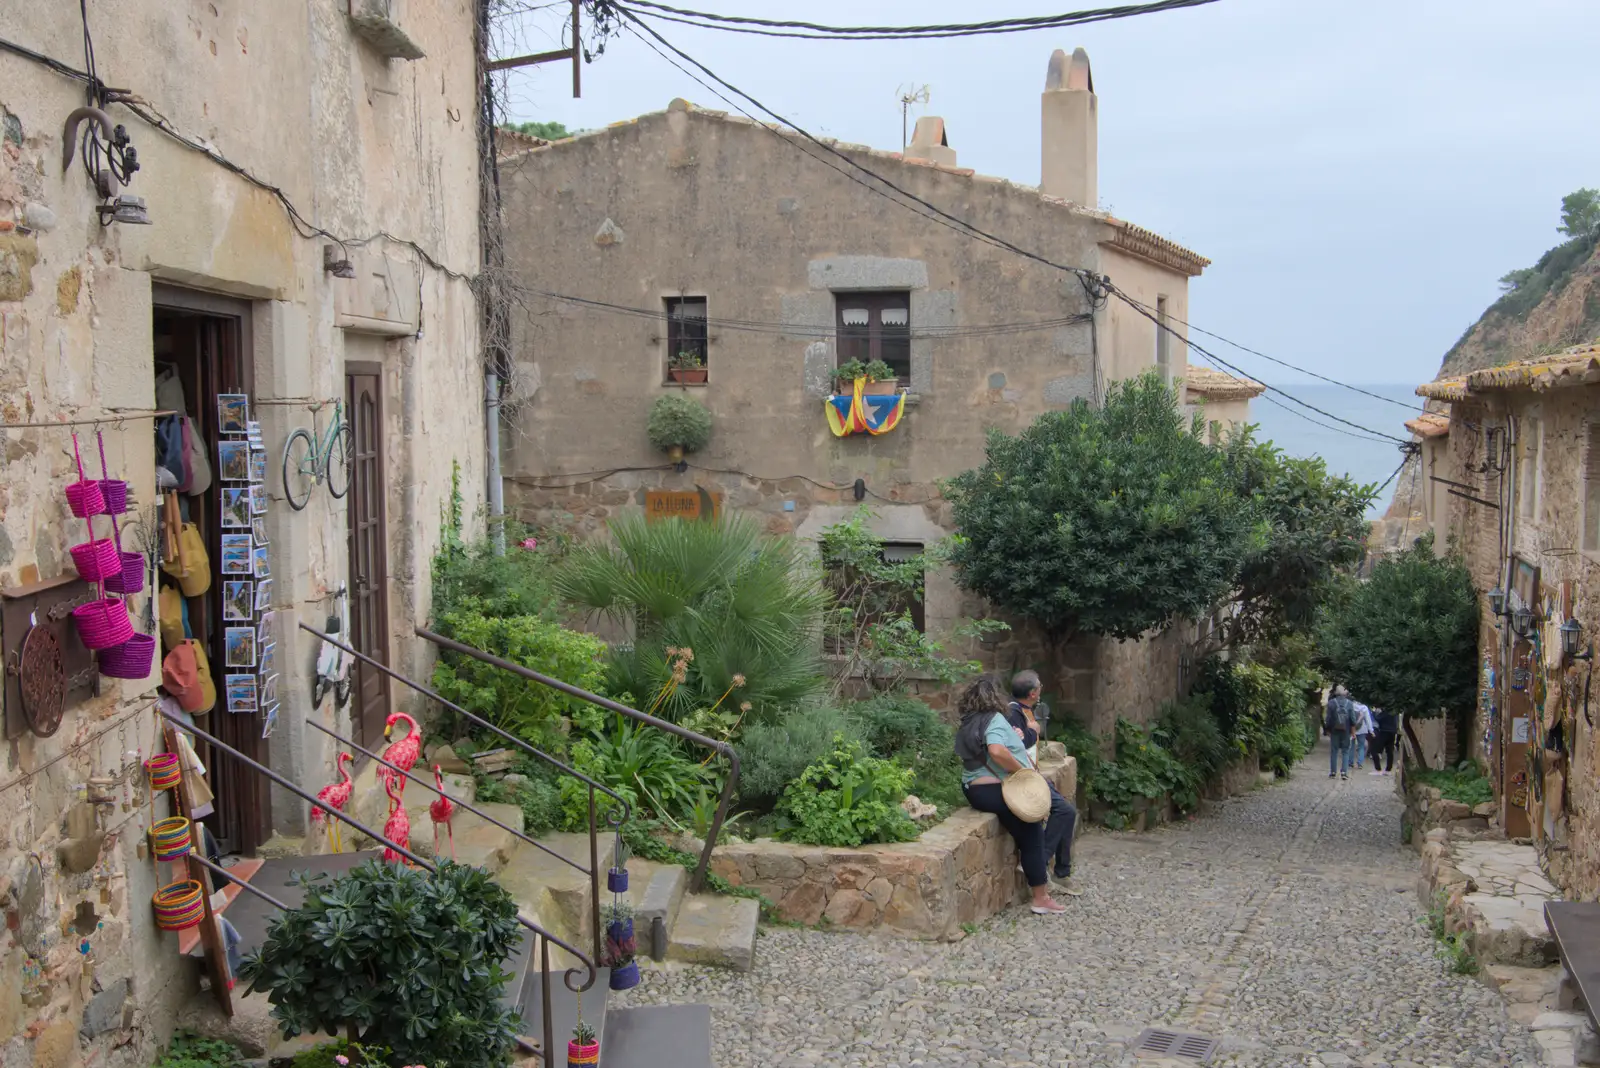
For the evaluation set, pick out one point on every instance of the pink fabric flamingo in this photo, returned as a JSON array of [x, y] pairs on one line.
[[398, 827], [440, 811], [335, 795], [403, 754]]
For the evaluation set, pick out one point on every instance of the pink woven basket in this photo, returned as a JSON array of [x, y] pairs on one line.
[[130, 660], [102, 624], [84, 496], [115, 492], [97, 560], [130, 579]]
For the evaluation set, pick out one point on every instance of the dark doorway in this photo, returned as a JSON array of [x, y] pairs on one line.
[[205, 340], [369, 561]]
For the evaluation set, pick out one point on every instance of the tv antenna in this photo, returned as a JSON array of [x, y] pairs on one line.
[[909, 94]]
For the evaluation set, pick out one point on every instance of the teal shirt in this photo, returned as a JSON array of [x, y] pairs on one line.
[[1003, 733]]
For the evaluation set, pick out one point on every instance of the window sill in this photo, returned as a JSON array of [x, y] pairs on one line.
[[686, 385]]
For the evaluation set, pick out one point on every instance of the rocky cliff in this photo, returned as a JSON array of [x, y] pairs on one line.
[[1556, 305]]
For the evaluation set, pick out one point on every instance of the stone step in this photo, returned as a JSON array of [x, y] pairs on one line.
[[716, 930], [658, 900], [657, 1036]]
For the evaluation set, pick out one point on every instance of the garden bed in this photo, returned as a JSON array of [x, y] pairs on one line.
[[958, 872]]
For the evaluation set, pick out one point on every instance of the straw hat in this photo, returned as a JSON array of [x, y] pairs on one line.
[[1027, 795]]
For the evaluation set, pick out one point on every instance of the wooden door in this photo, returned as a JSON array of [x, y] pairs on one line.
[[369, 564]]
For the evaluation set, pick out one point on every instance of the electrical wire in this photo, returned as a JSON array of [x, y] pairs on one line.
[[819, 32]]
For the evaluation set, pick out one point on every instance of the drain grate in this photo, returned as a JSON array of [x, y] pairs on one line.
[[1197, 1048]]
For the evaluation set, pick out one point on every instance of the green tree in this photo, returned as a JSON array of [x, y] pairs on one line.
[[547, 131], [1580, 213], [1514, 280], [1406, 639], [1110, 521], [742, 606], [1314, 528]]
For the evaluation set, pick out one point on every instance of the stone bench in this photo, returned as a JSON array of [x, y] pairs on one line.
[[1575, 926]]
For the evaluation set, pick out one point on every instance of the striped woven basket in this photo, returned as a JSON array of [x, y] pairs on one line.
[[170, 839], [179, 905]]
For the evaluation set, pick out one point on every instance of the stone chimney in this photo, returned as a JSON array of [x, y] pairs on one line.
[[1071, 130], [928, 141]]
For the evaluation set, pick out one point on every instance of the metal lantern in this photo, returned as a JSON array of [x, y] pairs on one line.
[[1497, 601], [1571, 632], [1522, 621]]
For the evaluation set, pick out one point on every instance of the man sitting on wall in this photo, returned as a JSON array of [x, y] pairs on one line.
[[1063, 819]]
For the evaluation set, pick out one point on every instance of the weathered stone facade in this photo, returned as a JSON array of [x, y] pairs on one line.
[[960, 871], [360, 145]]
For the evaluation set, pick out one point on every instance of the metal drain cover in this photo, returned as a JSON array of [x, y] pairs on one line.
[[1164, 1043]]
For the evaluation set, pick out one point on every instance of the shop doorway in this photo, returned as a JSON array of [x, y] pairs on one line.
[[369, 558], [202, 349]]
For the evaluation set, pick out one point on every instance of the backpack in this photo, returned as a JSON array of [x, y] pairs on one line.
[[1341, 712]]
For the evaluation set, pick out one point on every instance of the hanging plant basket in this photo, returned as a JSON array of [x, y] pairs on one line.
[[582, 1055], [617, 880], [625, 976]]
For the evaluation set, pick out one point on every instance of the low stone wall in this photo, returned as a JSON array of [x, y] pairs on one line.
[[1494, 892], [1427, 809], [959, 871]]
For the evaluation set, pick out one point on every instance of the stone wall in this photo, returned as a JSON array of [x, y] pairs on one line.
[[1427, 810], [960, 871]]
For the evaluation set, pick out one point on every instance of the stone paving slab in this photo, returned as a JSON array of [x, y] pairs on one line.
[[1281, 923]]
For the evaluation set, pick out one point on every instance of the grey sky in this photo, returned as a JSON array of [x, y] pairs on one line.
[[1359, 172]]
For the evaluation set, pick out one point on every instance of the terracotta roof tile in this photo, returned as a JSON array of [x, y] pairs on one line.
[[1429, 425], [1577, 366], [1219, 385], [1453, 388]]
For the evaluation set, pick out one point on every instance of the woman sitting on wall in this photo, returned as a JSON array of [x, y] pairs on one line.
[[991, 751]]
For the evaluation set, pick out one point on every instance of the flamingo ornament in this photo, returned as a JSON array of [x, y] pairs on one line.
[[398, 827], [440, 811], [403, 754], [335, 795]]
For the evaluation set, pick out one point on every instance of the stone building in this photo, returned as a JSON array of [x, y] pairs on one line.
[[310, 185], [1520, 462], [759, 253]]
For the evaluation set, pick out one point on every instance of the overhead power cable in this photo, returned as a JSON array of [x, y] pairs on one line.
[[1088, 279], [820, 32]]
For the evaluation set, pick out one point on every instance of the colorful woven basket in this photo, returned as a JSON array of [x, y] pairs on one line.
[[170, 839], [179, 905], [96, 560], [163, 771], [103, 623], [582, 1055], [132, 659]]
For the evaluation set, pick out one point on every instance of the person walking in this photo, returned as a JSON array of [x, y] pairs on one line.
[[1385, 733], [1058, 833], [1337, 720], [1361, 730], [991, 750]]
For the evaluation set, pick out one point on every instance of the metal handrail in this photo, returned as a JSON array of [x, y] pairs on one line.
[[425, 784], [616, 815], [568, 976], [697, 880]]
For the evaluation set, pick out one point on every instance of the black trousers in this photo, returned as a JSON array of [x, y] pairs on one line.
[[986, 797], [1383, 747]]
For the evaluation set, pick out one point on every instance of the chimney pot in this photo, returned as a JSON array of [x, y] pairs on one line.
[[1069, 147], [929, 142]]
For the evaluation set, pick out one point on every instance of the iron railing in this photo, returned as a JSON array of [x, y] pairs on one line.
[[545, 938], [697, 880]]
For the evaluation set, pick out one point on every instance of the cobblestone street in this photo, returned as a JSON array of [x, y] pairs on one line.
[[1284, 923]]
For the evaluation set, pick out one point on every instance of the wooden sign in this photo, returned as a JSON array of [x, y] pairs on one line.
[[682, 504]]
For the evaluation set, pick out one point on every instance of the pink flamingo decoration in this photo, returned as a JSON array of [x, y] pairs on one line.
[[335, 795], [441, 810], [403, 754], [398, 827]]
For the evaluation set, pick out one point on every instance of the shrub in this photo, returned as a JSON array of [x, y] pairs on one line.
[[528, 710], [189, 1050], [642, 764], [539, 797], [356, 1056], [901, 728], [398, 957], [477, 578], [1464, 783], [1142, 771], [676, 420], [848, 799], [773, 755], [1188, 731]]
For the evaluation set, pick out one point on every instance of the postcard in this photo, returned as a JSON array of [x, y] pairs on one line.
[[236, 549], [268, 664], [269, 722], [258, 499], [269, 690], [235, 507], [258, 525], [233, 413], [263, 595], [241, 691], [264, 628], [238, 599], [239, 647], [263, 566], [233, 461]]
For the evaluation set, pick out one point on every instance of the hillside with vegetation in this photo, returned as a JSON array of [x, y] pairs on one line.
[[1544, 308]]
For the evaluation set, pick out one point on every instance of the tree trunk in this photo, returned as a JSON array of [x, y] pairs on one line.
[[1416, 745]]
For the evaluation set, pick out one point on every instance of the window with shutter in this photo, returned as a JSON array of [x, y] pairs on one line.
[[876, 326]]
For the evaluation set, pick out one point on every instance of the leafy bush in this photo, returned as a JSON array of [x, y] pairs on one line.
[[539, 797], [643, 764], [401, 957], [528, 710], [476, 578], [1286, 745], [1142, 771], [1188, 731], [1464, 783], [773, 755], [189, 1050], [848, 799], [901, 728], [677, 420], [355, 1056], [720, 613], [1261, 708]]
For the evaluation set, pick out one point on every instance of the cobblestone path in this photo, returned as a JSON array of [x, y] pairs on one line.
[[1284, 923]]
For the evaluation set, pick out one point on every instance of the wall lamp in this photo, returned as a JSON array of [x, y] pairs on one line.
[[1571, 635], [1522, 621], [1497, 601]]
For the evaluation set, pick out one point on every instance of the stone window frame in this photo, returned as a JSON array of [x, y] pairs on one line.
[[811, 314], [672, 335], [1589, 478], [875, 302]]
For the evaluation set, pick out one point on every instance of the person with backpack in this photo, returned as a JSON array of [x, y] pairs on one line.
[[1387, 730], [1337, 720], [1361, 731]]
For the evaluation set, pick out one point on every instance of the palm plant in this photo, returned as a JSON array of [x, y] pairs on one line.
[[744, 603]]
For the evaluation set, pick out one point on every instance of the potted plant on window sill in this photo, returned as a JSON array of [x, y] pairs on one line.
[[686, 368], [678, 425], [881, 380]]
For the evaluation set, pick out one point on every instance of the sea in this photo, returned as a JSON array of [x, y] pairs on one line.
[[1345, 450]]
